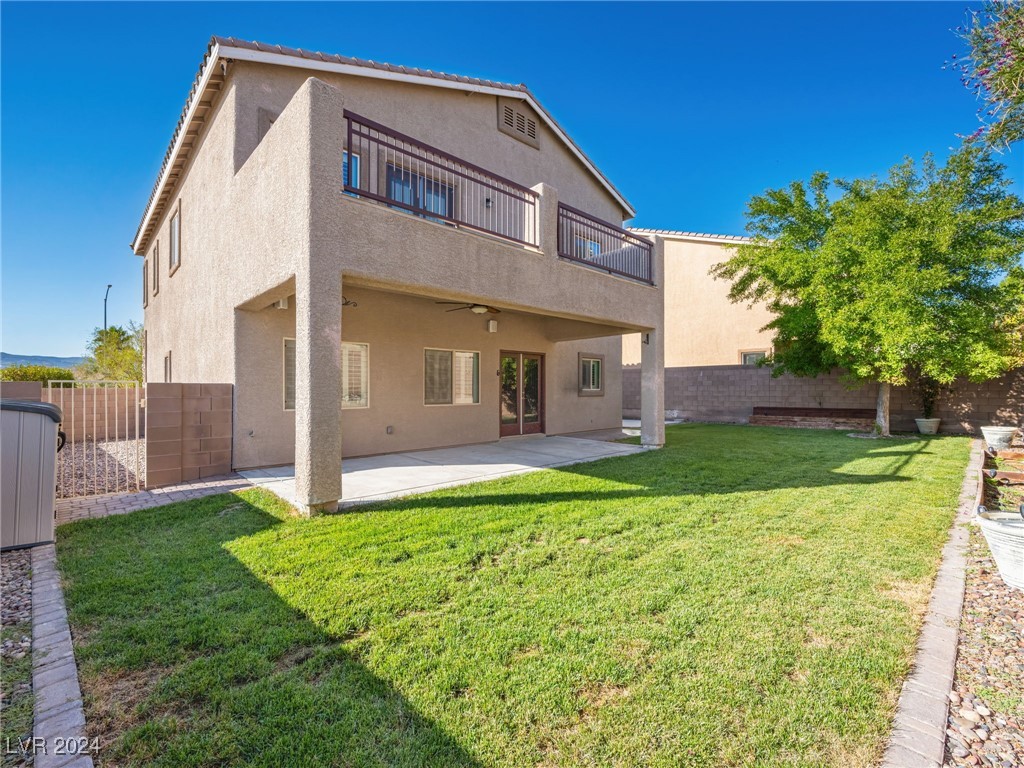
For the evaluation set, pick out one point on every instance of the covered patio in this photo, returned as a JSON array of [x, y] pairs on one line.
[[393, 475]]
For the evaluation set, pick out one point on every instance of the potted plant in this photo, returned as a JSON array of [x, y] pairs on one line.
[[928, 392], [998, 438]]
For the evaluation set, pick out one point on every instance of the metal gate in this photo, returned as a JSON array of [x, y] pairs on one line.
[[104, 452]]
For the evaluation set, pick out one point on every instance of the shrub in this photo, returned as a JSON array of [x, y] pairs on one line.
[[41, 373]]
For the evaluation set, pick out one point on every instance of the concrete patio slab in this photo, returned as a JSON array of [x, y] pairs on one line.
[[375, 478]]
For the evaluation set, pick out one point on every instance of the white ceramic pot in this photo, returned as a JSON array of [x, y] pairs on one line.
[[1004, 532], [998, 438], [928, 426]]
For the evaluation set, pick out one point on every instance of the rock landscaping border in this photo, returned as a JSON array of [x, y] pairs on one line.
[[918, 737]]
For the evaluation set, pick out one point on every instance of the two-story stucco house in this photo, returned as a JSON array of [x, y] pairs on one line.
[[385, 259]]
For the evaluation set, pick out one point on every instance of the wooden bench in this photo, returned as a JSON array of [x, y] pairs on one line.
[[851, 419]]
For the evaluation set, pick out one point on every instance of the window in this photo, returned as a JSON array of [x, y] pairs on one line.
[[345, 160], [585, 248], [145, 282], [591, 374], [289, 374], [355, 375], [156, 269], [419, 192], [167, 368], [451, 377], [174, 260], [751, 358], [355, 378]]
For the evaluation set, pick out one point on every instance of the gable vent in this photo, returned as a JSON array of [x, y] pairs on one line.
[[516, 122]]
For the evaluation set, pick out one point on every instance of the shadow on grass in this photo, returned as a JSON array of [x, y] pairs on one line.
[[188, 659], [773, 461]]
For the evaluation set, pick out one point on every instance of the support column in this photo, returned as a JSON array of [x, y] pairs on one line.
[[652, 388], [317, 388], [547, 219], [652, 360]]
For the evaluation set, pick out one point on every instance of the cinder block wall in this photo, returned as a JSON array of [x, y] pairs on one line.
[[188, 432], [21, 390], [728, 393]]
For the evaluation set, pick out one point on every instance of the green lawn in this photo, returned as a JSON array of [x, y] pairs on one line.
[[746, 596]]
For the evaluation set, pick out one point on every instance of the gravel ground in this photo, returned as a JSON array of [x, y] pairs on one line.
[[15, 653], [986, 722], [88, 468]]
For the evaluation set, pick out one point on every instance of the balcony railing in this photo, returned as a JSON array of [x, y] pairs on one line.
[[603, 246], [384, 165]]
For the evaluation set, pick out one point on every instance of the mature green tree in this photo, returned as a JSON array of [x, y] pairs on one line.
[[918, 274], [115, 354], [994, 69]]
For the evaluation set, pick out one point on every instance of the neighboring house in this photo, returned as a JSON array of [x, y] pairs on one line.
[[702, 326], [312, 214]]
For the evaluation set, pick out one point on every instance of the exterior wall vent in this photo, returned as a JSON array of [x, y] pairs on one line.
[[516, 120]]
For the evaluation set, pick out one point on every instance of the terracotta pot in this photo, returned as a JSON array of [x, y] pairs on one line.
[[928, 426]]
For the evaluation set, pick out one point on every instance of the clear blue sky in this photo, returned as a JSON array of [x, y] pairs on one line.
[[689, 108]]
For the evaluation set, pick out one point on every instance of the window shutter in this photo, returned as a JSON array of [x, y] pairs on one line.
[[437, 377], [354, 375], [466, 390], [289, 374]]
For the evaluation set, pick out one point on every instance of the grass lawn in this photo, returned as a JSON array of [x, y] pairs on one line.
[[746, 596]]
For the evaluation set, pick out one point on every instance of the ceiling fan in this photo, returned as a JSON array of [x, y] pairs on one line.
[[476, 309]]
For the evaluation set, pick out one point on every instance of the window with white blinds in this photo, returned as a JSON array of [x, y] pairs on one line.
[[451, 377], [355, 375], [289, 374]]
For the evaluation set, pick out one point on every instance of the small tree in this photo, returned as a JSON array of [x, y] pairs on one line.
[[115, 354], [40, 373], [919, 271], [994, 69]]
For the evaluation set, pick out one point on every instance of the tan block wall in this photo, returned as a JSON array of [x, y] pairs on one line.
[[728, 393], [21, 390], [188, 432]]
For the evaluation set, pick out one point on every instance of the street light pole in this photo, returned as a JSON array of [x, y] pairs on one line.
[[109, 286]]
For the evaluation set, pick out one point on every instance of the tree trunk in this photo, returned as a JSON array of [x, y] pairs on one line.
[[882, 409]]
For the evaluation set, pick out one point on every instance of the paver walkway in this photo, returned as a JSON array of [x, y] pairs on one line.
[[86, 507], [399, 474]]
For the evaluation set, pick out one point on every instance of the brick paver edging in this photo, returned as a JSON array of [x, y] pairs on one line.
[[918, 737], [87, 507], [58, 719]]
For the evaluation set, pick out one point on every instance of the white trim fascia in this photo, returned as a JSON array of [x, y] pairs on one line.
[[725, 239], [204, 80]]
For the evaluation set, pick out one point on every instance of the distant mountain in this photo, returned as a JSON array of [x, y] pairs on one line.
[[7, 360]]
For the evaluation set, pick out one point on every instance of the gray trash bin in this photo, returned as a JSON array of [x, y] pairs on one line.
[[29, 435]]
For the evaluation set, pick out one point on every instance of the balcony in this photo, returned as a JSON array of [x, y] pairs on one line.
[[406, 174], [403, 173], [604, 246]]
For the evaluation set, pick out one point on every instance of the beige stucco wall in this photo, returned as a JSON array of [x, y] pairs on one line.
[[252, 217], [397, 329], [702, 327]]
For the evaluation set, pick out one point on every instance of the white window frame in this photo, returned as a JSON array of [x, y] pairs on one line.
[[155, 258], [454, 352], [366, 365], [590, 358], [346, 157], [174, 241], [284, 374], [744, 352], [145, 283]]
